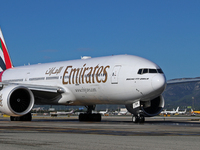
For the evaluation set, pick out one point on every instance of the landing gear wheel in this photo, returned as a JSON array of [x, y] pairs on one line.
[[27, 117], [135, 119], [14, 118], [138, 119], [141, 119], [81, 117], [90, 117]]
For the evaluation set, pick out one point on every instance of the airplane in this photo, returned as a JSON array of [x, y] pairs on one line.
[[170, 112], [130, 80], [38, 109], [195, 111], [65, 113], [182, 112], [123, 111], [103, 112]]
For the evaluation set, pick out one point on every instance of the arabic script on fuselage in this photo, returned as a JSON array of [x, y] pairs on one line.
[[53, 70]]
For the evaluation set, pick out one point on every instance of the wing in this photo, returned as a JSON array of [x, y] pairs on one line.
[[42, 94]]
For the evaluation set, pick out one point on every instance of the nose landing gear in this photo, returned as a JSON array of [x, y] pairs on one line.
[[138, 118]]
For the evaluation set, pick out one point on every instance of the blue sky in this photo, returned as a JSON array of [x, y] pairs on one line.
[[165, 32]]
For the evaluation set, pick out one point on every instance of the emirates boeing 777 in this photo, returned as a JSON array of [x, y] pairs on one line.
[[130, 80]]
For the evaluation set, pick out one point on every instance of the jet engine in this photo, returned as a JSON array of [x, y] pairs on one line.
[[147, 108], [16, 100]]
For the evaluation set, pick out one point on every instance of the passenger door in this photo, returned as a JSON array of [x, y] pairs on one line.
[[115, 74]]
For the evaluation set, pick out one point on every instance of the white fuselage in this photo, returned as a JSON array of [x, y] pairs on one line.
[[103, 80]]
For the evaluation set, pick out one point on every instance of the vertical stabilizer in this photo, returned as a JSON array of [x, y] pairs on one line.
[[5, 61], [177, 109]]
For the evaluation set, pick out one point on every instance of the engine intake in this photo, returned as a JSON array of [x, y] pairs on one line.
[[16, 100]]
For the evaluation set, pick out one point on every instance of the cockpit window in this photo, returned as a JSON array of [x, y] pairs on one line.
[[147, 70], [140, 71], [152, 71], [160, 71]]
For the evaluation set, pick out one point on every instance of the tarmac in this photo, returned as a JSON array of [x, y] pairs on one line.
[[113, 132]]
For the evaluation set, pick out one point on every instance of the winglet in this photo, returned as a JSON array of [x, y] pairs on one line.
[[5, 61]]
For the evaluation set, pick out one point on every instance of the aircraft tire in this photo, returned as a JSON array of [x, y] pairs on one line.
[[81, 117], [135, 119], [141, 119], [96, 117], [27, 117], [14, 118], [90, 117]]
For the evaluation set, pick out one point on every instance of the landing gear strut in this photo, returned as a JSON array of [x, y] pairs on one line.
[[27, 117], [88, 116]]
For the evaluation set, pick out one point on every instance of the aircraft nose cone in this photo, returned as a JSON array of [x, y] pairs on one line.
[[159, 82]]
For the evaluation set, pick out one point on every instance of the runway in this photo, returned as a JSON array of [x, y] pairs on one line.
[[114, 132]]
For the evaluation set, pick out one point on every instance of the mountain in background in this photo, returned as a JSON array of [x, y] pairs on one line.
[[182, 94]]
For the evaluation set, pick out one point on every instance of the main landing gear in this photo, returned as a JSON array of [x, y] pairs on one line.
[[138, 118], [88, 116], [27, 117]]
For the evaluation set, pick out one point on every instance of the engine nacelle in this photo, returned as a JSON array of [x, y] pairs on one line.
[[149, 108], [16, 100]]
